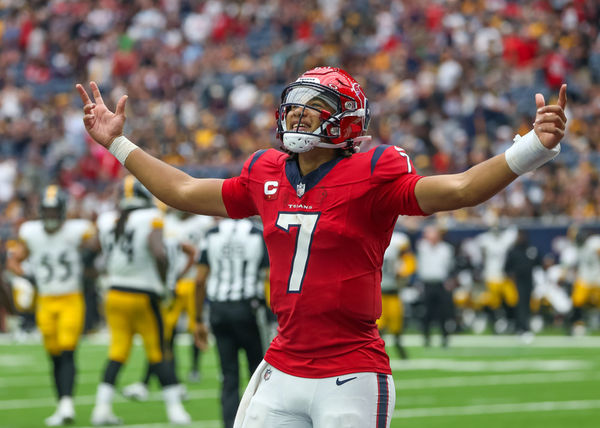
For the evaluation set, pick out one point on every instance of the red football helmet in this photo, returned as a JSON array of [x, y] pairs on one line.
[[343, 128]]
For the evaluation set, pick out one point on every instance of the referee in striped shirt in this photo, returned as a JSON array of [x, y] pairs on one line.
[[231, 274]]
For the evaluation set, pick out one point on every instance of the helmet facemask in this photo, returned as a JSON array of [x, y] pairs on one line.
[[342, 122], [53, 208], [52, 217], [134, 195]]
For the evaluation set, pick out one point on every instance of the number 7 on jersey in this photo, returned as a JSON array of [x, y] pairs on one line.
[[306, 224]]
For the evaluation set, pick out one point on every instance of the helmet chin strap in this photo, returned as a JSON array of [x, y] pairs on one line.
[[301, 142], [344, 144]]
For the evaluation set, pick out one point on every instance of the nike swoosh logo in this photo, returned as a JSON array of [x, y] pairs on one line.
[[339, 382]]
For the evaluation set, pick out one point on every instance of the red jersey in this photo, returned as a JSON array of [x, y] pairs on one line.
[[326, 234]]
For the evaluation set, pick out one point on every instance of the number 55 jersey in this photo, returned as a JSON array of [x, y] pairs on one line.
[[326, 233], [55, 257]]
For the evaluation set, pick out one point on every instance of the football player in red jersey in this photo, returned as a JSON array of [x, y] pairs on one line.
[[328, 214]]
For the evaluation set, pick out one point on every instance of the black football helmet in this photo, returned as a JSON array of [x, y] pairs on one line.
[[53, 207], [134, 195]]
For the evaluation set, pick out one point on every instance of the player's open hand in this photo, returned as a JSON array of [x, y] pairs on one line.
[[550, 120], [102, 124]]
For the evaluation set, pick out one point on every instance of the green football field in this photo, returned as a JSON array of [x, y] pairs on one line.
[[480, 381]]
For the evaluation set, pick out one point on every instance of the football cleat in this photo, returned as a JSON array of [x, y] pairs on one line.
[[177, 414], [103, 415], [57, 420], [137, 392], [195, 376], [183, 392]]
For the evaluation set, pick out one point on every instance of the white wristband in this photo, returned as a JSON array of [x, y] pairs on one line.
[[528, 153], [121, 147]]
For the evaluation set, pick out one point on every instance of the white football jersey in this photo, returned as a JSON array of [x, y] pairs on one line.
[[588, 268], [129, 261], [391, 262], [495, 247], [547, 286], [54, 258], [190, 230]]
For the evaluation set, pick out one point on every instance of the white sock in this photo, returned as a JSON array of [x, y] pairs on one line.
[[66, 404], [105, 394], [172, 394]]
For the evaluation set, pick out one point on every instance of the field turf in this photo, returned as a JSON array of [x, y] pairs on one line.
[[479, 381]]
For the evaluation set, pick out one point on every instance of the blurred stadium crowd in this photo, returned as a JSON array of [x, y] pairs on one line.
[[449, 81]]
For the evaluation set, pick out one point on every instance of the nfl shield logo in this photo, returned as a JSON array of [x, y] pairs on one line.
[[300, 189], [267, 374]]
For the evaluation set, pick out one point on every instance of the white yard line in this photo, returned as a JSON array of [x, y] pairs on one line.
[[494, 380], [504, 341], [475, 365], [89, 400], [44, 379], [487, 409], [193, 424], [401, 385]]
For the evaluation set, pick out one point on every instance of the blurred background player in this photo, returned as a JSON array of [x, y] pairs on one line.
[[232, 269], [52, 246], [399, 266], [435, 265], [136, 264], [500, 291], [139, 391], [21, 320], [466, 285], [521, 260], [551, 298], [7, 307], [187, 229], [586, 289], [183, 234]]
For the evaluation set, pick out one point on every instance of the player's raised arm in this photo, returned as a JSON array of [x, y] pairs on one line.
[[172, 186], [484, 180]]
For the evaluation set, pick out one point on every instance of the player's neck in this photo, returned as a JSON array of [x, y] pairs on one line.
[[311, 160]]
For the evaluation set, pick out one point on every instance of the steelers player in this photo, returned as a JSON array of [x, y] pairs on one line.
[[399, 265], [7, 298], [52, 247], [500, 290], [136, 264], [586, 289], [22, 290], [188, 230], [183, 233]]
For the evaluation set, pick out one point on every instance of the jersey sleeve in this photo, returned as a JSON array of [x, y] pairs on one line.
[[236, 192], [26, 233], [392, 169]]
